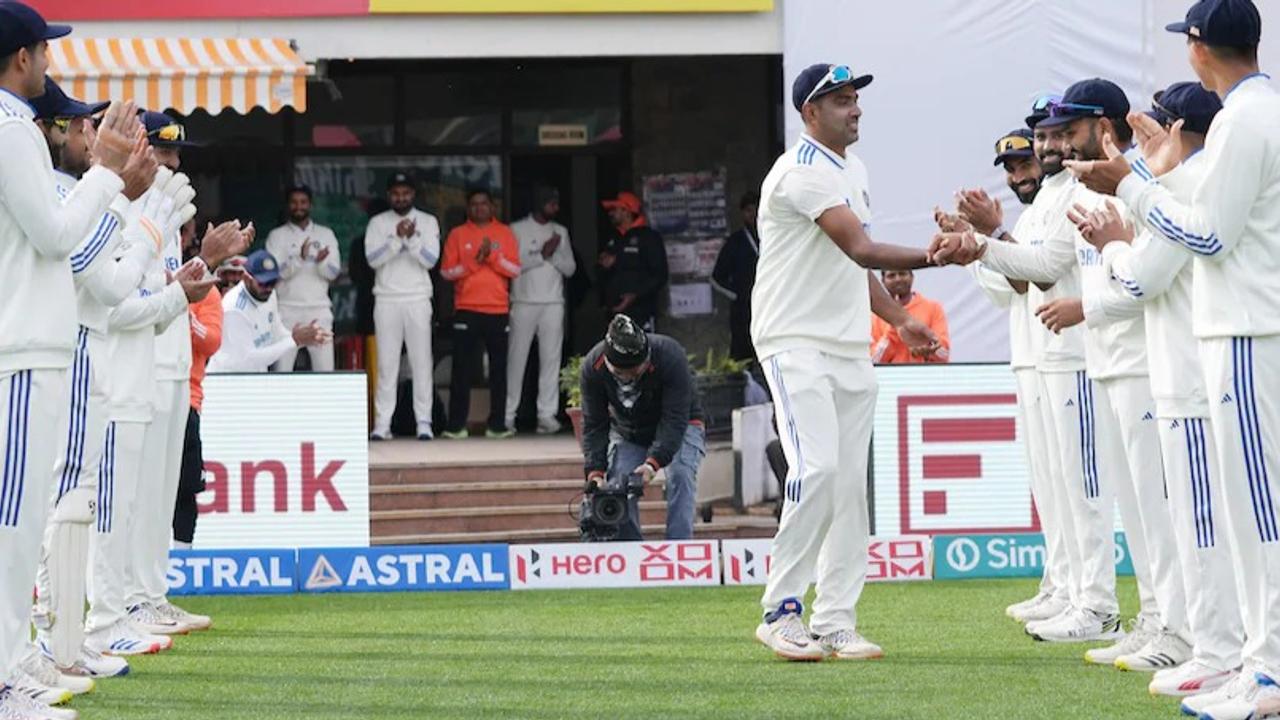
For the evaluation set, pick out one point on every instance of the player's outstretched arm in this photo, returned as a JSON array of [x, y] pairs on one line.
[[846, 231]]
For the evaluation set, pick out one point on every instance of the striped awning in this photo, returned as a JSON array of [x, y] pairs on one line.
[[182, 74]]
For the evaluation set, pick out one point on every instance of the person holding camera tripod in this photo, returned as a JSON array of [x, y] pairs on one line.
[[641, 414]]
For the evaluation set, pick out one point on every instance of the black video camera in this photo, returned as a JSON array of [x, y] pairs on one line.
[[606, 509]]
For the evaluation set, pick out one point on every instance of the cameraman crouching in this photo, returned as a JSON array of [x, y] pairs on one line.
[[640, 414]]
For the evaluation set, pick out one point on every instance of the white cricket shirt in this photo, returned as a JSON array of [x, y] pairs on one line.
[[541, 279], [304, 282]]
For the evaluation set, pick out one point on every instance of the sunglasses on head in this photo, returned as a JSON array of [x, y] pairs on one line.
[[169, 133], [1012, 143], [1044, 102], [837, 75], [1076, 110]]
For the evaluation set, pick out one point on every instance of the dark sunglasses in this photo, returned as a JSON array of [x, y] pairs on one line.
[[1076, 110]]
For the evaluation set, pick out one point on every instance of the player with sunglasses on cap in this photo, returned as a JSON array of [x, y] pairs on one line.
[[811, 324], [1016, 152], [253, 334]]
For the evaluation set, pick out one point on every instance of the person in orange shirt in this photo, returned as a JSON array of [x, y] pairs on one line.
[[481, 258], [886, 346], [206, 338]]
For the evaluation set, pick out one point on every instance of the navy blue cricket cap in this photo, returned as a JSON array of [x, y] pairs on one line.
[[163, 131], [1225, 23], [21, 26], [55, 104], [400, 178], [1014, 144], [1188, 102], [806, 85], [1095, 98], [263, 266]]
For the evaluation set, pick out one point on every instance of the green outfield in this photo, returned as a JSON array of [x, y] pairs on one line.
[[950, 653]]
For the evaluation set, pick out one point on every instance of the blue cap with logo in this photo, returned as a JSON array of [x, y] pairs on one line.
[[1014, 144], [1092, 98], [164, 131], [817, 80], [262, 266], [54, 104], [21, 26], [1225, 23], [1188, 102]]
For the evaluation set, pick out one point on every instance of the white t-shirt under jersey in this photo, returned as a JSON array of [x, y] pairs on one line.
[[808, 293]]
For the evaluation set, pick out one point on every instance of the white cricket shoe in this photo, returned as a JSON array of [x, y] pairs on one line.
[[25, 685], [1046, 608], [1198, 703], [548, 426], [1141, 632], [849, 645], [19, 706], [1079, 626], [783, 631], [45, 672], [1018, 608], [150, 620], [93, 664], [189, 620], [1192, 678], [1260, 697], [1165, 651], [124, 638], [1064, 614]]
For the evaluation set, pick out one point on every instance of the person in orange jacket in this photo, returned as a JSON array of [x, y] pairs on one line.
[[886, 346], [481, 258]]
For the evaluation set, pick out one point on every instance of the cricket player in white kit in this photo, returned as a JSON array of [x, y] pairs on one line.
[[1027, 340], [253, 335], [309, 261], [1117, 392], [38, 328], [1158, 273], [811, 324], [1231, 227], [537, 307], [402, 245]]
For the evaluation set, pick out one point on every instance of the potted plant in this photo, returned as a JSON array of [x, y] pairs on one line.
[[571, 386], [721, 382]]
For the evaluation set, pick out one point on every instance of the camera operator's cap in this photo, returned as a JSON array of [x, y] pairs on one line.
[[400, 179], [626, 200], [262, 266], [55, 105], [1015, 144], [163, 131], [1188, 102], [1092, 98], [21, 26], [1225, 23], [817, 80], [625, 344]]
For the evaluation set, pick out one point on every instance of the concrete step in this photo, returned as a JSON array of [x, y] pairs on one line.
[[419, 474], [490, 519], [427, 496], [735, 527]]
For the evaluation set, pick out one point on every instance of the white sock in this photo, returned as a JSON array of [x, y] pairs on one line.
[[179, 545]]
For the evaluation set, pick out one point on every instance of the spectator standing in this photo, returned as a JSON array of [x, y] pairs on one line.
[[538, 307], [481, 258], [633, 265], [402, 245], [886, 346], [309, 262], [735, 276]]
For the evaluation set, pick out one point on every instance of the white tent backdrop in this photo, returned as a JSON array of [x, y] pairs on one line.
[[951, 76]]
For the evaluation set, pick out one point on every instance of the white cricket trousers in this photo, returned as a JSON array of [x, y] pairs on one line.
[[157, 494], [545, 321], [110, 546], [1144, 501], [824, 406], [1240, 377], [32, 403], [1197, 507], [1032, 411], [403, 324], [321, 356], [1083, 482]]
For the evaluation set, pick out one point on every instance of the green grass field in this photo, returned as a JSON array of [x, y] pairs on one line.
[[950, 653]]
